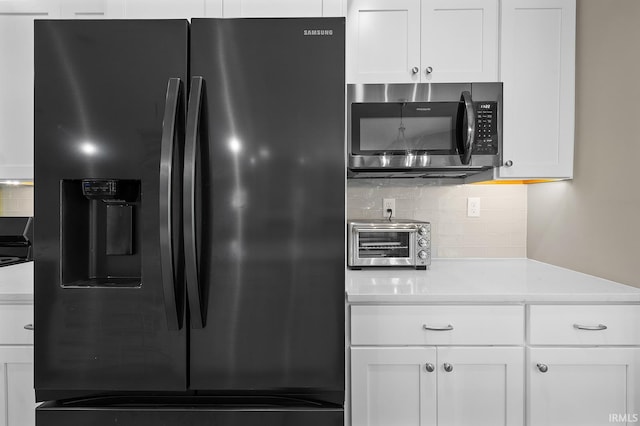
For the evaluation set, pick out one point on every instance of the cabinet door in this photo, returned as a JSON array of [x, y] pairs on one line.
[[538, 71], [583, 386], [383, 41], [459, 40], [277, 8], [163, 9], [391, 386], [17, 398], [480, 386], [16, 84]]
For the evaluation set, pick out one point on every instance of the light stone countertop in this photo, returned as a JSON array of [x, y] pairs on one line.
[[16, 283], [484, 281], [448, 281]]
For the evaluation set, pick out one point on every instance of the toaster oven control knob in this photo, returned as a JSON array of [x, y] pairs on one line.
[[422, 242], [422, 230], [422, 254]]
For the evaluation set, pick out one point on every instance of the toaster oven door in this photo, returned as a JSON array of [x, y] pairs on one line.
[[383, 247]]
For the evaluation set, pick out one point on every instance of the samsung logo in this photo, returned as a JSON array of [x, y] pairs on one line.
[[318, 32]]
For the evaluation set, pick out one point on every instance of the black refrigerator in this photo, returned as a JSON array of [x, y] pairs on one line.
[[189, 222]]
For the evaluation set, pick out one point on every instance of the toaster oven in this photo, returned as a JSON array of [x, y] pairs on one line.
[[384, 243]]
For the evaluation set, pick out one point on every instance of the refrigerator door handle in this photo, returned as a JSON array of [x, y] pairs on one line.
[[189, 202], [169, 130]]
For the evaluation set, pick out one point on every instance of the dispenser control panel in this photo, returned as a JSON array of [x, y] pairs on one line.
[[100, 188]]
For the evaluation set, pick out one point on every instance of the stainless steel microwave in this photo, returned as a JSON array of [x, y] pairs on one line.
[[424, 129]]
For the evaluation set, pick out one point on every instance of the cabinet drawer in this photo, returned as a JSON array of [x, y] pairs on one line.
[[584, 325], [13, 318], [437, 325]]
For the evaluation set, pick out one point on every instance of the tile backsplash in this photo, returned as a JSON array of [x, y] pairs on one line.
[[16, 200], [500, 231]]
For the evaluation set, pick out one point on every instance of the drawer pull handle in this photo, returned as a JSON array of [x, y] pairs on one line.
[[448, 367], [429, 367], [542, 367], [430, 328], [29, 327], [590, 327]]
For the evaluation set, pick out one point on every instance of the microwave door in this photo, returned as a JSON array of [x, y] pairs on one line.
[[466, 128]]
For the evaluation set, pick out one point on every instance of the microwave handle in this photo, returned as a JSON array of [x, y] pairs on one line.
[[470, 115]]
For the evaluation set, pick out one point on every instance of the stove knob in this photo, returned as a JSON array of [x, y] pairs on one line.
[[422, 230], [422, 254], [422, 242]]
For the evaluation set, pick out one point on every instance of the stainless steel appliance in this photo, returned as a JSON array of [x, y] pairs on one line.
[[440, 130], [384, 243], [189, 195]]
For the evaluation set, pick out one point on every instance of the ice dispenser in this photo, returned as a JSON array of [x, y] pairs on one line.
[[99, 233]]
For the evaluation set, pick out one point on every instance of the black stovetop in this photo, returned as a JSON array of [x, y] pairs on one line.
[[16, 238]]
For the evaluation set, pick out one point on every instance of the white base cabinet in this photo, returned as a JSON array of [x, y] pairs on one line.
[[484, 387], [17, 398], [426, 365], [583, 386], [391, 386], [444, 386], [409, 366], [583, 365]]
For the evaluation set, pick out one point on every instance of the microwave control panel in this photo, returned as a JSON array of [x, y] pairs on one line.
[[486, 140]]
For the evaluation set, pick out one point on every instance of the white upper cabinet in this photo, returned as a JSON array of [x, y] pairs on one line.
[[383, 41], [408, 41], [459, 40], [538, 70], [163, 9], [16, 84], [281, 8]]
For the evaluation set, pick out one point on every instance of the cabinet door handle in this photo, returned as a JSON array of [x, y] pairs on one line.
[[542, 367], [590, 327], [428, 70], [428, 327], [415, 70], [429, 367], [29, 327], [448, 367]]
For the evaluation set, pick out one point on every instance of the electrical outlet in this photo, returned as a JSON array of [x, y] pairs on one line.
[[473, 207], [388, 204]]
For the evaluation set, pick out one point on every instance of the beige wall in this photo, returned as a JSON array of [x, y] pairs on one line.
[[16, 200], [592, 224], [500, 231]]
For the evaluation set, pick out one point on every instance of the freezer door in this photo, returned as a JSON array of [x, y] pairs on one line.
[[107, 316], [191, 414], [269, 206]]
